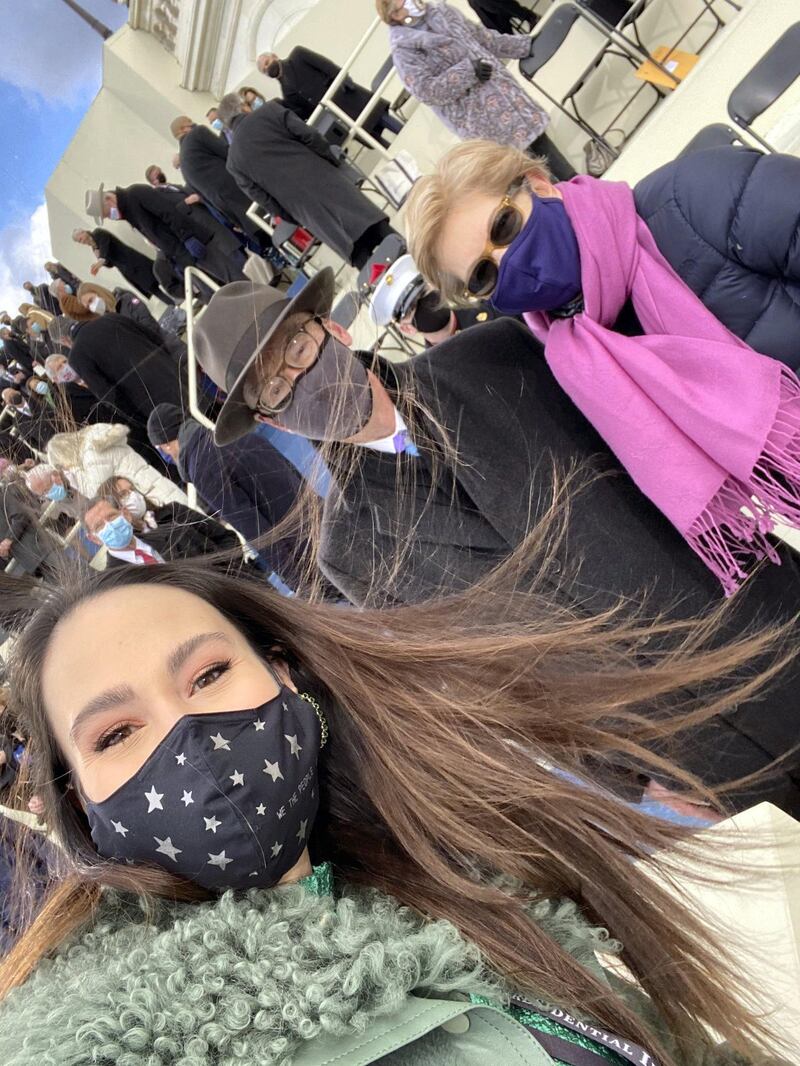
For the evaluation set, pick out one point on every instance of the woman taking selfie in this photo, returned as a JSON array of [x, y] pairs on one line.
[[305, 835]]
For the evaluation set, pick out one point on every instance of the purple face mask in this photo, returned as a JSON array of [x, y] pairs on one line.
[[541, 269]]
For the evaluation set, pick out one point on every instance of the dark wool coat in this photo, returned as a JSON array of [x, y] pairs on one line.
[[510, 422], [305, 78], [249, 484], [204, 156], [728, 222], [135, 267], [128, 367], [167, 222], [32, 546], [16, 349], [288, 168]]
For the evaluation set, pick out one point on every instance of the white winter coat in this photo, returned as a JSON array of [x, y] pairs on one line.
[[95, 453]]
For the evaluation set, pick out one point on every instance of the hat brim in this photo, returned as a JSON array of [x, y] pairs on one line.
[[98, 217], [235, 419]]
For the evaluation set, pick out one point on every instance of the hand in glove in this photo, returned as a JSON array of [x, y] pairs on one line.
[[483, 69], [528, 66]]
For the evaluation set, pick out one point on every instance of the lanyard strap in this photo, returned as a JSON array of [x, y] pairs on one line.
[[565, 1051], [624, 1048]]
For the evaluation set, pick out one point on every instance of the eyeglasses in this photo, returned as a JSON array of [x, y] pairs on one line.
[[504, 228], [300, 353]]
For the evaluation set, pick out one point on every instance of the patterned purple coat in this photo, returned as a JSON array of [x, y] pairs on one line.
[[435, 60]]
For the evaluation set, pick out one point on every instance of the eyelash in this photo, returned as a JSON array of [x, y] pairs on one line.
[[118, 730]]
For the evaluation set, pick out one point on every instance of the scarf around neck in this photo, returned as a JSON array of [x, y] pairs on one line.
[[701, 422]]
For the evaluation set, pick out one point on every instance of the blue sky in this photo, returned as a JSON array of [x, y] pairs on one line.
[[51, 70]]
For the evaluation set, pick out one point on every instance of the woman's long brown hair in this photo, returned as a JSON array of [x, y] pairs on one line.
[[469, 737]]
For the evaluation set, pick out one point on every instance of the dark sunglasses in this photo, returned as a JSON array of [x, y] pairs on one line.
[[503, 230]]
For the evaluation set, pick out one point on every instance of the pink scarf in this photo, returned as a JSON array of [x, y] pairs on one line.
[[700, 421]]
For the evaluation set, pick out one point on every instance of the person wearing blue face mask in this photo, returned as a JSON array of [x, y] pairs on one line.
[[216, 123], [52, 486], [107, 526]]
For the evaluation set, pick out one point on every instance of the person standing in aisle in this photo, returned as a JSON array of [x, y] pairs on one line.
[[456, 67]]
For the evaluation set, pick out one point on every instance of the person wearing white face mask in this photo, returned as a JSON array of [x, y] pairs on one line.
[[456, 67], [98, 300]]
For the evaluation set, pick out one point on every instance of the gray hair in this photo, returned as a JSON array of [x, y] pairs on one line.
[[229, 107], [38, 473]]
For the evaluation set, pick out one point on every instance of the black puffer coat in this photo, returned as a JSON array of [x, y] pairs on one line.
[[728, 221]]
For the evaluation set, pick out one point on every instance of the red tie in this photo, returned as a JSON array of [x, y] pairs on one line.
[[145, 557]]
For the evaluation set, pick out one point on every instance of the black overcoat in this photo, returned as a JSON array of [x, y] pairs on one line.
[[289, 169], [305, 78], [511, 424], [204, 156]]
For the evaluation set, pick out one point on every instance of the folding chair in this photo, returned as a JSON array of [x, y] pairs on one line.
[[766, 82], [714, 136]]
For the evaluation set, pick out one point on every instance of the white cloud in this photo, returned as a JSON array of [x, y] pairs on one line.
[[24, 248]]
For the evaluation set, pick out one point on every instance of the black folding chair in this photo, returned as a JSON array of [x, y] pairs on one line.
[[766, 82], [714, 136]]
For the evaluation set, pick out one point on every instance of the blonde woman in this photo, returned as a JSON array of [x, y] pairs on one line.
[[703, 424], [456, 67]]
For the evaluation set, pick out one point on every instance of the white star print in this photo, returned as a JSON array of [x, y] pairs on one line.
[[186, 798], [296, 748], [260, 726], [301, 832], [166, 847], [276, 849], [180, 759], [218, 860], [154, 800], [261, 809], [120, 828], [273, 769], [219, 741], [212, 824], [237, 778]]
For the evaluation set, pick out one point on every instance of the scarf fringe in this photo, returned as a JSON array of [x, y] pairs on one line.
[[730, 535]]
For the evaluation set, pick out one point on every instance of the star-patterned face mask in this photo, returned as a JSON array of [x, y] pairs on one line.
[[226, 800]]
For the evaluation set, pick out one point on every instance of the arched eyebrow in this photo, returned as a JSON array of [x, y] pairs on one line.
[[178, 656], [119, 695]]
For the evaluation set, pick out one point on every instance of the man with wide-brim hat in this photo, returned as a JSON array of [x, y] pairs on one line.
[[182, 229], [95, 205], [295, 386]]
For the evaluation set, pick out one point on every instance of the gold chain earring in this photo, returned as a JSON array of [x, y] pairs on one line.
[[323, 722]]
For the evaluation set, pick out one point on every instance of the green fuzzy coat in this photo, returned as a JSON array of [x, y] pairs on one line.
[[250, 980]]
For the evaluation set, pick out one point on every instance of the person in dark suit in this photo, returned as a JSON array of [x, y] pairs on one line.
[[203, 157], [16, 349], [21, 537], [305, 76], [251, 487], [185, 232], [59, 271], [110, 251], [129, 368], [291, 171], [156, 534]]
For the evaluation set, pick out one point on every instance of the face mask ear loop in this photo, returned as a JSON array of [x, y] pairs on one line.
[[323, 722]]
